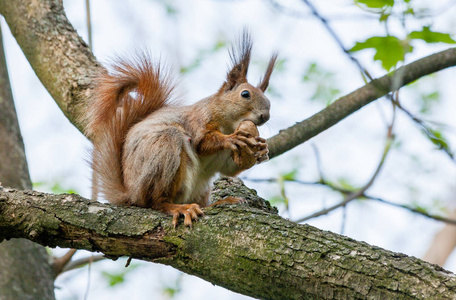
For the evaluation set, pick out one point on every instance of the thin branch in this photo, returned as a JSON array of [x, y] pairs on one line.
[[397, 75], [334, 17], [426, 129], [336, 38], [75, 264], [359, 193], [297, 134], [89, 25], [318, 161], [413, 209], [60, 263]]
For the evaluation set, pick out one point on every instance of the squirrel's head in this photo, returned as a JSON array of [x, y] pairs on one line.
[[249, 101]]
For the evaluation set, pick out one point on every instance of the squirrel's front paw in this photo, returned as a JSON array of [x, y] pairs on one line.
[[241, 139], [248, 148], [262, 150]]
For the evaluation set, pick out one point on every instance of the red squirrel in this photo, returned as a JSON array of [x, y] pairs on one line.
[[150, 152]]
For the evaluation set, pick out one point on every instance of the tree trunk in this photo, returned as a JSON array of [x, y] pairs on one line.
[[242, 248], [25, 272]]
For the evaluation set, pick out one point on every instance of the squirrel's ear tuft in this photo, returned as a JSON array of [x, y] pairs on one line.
[[263, 85], [240, 60]]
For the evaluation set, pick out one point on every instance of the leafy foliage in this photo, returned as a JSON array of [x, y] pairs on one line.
[[392, 49], [431, 36], [375, 3], [438, 139], [389, 50]]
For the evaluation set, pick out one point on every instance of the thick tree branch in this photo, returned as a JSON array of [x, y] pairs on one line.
[[245, 249], [60, 58], [299, 133]]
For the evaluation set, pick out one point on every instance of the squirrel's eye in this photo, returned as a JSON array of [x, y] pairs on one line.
[[245, 94]]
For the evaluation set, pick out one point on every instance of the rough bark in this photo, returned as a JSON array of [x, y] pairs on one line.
[[245, 249], [58, 55], [18, 255]]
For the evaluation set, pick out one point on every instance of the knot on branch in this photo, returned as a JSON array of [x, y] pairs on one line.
[[229, 186]]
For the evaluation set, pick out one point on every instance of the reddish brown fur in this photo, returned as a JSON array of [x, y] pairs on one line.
[[263, 85], [113, 112], [152, 154]]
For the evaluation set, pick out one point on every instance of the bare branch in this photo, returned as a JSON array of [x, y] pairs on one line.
[[60, 263], [299, 133]]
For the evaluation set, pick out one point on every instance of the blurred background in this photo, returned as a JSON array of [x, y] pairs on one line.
[[193, 36]]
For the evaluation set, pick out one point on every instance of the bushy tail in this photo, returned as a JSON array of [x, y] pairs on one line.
[[122, 98]]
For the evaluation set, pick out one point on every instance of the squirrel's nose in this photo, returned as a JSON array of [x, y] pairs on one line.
[[264, 117]]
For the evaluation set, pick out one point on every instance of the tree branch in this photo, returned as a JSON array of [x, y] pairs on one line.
[[58, 55], [299, 133], [248, 250]]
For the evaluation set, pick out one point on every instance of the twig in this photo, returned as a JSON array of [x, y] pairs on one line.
[[336, 38], [60, 263], [334, 17], [364, 196], [360, 193], [412, 209], [320, 182], [89, 25], [318, 161], [397, 76], [89, 272], [82, 262], [424, 127]]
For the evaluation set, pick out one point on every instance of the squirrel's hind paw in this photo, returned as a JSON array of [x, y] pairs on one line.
[[189, 211]]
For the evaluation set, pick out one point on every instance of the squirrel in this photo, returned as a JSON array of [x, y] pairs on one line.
[[151, 152]]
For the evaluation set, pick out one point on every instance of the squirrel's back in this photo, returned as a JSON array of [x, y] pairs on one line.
[[122, 98]]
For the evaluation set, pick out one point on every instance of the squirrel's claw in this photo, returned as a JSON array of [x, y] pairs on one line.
[[189, 211]]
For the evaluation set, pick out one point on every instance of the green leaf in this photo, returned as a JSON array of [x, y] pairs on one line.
[[375, 3], [290, 176], [431, 36], [389, 49], [437, 138], [114, 279], [384, 17]]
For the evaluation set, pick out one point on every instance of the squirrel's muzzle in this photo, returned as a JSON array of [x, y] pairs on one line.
[[264, 117]]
